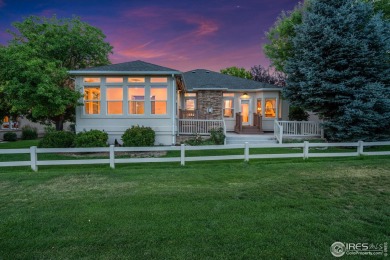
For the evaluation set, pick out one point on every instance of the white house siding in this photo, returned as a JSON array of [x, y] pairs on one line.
[[116, 125]]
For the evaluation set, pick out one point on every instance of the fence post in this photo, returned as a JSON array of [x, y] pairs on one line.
[[246, 152], [305, 150], [182, 155], [112, 156], [33, 158], [281, 134], [360, 148]]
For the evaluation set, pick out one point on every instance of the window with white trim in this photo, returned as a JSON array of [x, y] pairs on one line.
[[136, 97], [190, 101], [228, 105], [92, 100], [158, 100], [114, 98]]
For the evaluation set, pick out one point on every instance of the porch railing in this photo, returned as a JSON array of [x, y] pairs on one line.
[[199, 126], [238, 125], [278, 131], [258, 121], [301, 128], [297, 129]]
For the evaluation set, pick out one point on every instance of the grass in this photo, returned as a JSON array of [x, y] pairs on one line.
[[264, 209]]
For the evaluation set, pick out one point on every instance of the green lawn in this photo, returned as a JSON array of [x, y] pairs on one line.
[[264, 209]]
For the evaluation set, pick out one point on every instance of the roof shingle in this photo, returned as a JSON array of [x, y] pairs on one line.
[[127, 67], [204, 79]]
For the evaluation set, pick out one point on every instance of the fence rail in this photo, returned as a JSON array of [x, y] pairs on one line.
[[198, 126], [112, 161]]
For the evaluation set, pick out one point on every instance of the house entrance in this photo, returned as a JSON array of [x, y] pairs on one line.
[[245, 112]]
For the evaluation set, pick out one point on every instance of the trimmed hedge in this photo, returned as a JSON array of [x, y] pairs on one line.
[[138, 136], [57, 139], [9, 137], [92, 138]]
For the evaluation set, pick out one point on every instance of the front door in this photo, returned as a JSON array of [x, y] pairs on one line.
[[245, 112]]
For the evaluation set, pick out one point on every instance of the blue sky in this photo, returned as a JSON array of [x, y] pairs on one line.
[[183, 35]]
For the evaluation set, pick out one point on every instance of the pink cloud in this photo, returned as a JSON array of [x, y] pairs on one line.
[[149, 34]]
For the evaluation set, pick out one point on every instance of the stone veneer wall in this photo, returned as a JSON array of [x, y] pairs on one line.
[[210, 99]]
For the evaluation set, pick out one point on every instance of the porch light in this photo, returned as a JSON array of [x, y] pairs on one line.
[[245, 95]]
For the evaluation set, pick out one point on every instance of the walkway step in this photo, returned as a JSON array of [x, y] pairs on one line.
[[250, 138]]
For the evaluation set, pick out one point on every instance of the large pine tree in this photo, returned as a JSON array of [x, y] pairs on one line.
[[340, 69]]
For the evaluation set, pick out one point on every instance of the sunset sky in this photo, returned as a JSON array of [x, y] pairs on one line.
[[184, 35]]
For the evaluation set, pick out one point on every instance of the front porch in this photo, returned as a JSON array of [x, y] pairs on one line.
[[191, 122]]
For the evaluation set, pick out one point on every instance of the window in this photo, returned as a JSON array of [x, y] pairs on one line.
[[258, 107], [190, 101], [114, 80], [270, 108], [114, 101], [136, 80], [92, 100], [158, 99], [136, 97], [158, 80], [228, 105], [92, 80]]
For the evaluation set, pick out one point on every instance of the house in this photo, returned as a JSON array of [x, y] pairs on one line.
[[173, 103]]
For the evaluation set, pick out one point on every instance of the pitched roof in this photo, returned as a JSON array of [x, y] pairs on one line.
[[132, 67], [201, 79]]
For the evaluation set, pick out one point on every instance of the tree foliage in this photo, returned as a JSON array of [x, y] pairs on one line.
[[237, 72], [36, 61], [259, 73], [340, 69], [280, 36]]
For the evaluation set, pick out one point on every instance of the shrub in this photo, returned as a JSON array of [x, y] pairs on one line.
[[196, 140], [29, 133], [217, 136], [10, 136], [297, 114], [49, 129], [139, 136], [57, 139], [92, 138]]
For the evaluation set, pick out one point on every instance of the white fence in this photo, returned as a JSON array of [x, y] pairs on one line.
[[297, 129], [199, 126], [112, 161]]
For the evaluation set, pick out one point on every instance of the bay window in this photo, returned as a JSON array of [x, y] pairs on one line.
[[92, 100], [158, 100], [114, 101], [270, 107], [136, 97]]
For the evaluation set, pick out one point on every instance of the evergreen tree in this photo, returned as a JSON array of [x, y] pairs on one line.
[[340, 69]]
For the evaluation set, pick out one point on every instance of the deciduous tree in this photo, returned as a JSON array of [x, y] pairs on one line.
[[36, 61], [237, 72]]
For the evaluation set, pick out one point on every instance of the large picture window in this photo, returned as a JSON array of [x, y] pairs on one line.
[[114, 101], [228, 105], [92, 100], [158, 100], [270, 108], [136, 100]]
